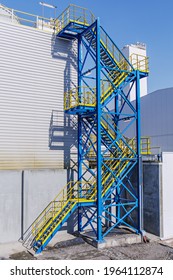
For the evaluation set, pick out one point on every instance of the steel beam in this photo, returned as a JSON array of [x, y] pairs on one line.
[[99, 155], [79, 134], [138, 151]]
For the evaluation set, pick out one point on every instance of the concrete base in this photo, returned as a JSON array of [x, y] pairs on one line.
[[168, 242], [117, 237]]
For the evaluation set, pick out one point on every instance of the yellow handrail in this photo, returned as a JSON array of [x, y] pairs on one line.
[[69, 193], [80, 96], [75, 14], [140, 62], [145, 145]]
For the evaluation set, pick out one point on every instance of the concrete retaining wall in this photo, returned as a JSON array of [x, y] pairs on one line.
[[23, 195], [10, 205]]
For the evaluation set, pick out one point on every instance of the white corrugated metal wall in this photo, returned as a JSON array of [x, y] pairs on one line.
[[35, 70], [156, 119]]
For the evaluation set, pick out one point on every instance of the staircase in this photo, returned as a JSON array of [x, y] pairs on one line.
[[82, 100], [57, 212]]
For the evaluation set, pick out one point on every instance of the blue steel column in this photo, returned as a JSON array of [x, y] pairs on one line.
[[138, 148], [99, 156], [118, 208], [79, 133]]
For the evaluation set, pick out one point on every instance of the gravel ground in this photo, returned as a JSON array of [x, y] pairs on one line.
[[77, 249]]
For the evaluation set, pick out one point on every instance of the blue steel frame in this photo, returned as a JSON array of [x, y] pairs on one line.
[[99, 155], [83, 152], [111, 208]]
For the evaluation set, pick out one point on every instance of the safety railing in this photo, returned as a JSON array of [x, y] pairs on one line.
[[47, 214], [73, 193], [113, 51], [140, 62], [27, 19], [108, 124], [127, 148], [83, 96], [83, 16], [145, 145], [75, 14], [79, 96]]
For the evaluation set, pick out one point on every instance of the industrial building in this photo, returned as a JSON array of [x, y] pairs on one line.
[[71, 115]]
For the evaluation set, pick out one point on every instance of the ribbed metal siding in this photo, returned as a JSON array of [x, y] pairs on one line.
[[35, 70]]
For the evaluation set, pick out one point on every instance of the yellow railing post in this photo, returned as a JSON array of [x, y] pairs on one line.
[[149, 147], [64, 101], [106, 42], [62, 23], [70, 100], [85, 21], [63, 195], [77, 99]]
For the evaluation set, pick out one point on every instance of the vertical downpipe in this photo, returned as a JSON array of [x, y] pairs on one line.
[[22, 204], [99, 156], [139, 159]]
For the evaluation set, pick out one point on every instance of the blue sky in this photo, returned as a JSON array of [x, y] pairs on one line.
[[127, 21]]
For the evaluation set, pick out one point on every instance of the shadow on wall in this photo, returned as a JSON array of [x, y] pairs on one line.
[[63, 127], [63, 134], [63, 137], [63, 49]]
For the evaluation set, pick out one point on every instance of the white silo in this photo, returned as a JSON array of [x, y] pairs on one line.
[[136, 53]]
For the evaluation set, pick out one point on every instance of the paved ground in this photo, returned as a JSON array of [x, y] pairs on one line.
[[77, 249]]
